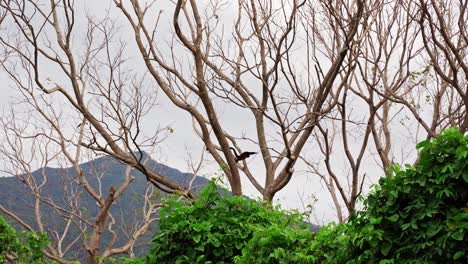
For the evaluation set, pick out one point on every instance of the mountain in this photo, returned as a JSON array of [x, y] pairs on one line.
[[127, 208]]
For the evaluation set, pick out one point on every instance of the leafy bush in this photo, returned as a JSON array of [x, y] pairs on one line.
[[24, 247], [276, 243], [421, 212], [415, 215], [215, 229]]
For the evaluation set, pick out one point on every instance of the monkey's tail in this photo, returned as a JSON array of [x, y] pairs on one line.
[[235, 153]]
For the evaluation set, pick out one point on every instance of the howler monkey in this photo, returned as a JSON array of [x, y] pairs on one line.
[[242, 156]]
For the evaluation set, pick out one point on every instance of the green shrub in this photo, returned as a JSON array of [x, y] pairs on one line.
[[277, 243], [215, 229], [24, 247], [415, 215], [421, 212]]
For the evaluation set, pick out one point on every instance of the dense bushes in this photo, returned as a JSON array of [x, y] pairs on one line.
[[216, 229], [277, 243], [414, 215], [24, 247], [419, 215]]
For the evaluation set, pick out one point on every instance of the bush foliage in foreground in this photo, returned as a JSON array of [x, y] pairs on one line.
[[216, 229], [414, 215], [24, 247]]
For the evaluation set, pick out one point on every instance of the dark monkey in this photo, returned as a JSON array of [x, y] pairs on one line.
[[242, 156]]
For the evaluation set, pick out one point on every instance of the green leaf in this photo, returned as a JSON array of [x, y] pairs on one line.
[[423, 144], [458, 235], [433, 231], [393, 218], [182, 223], [196, 238], [461, 152], [459, 255], [376, 221], [465, 176], [200, 247], [385, 249]]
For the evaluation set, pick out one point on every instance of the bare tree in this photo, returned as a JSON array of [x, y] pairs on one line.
[[78, 100], [40, 40], [444, 34], [407, 78], [251, 69]]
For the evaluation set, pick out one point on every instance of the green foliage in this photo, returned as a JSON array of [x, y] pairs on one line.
[[216, 228], [24, 247], [416, 215], [421, 212], [277, 243]]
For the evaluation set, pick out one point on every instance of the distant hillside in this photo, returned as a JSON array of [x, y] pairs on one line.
[[14, 195]]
